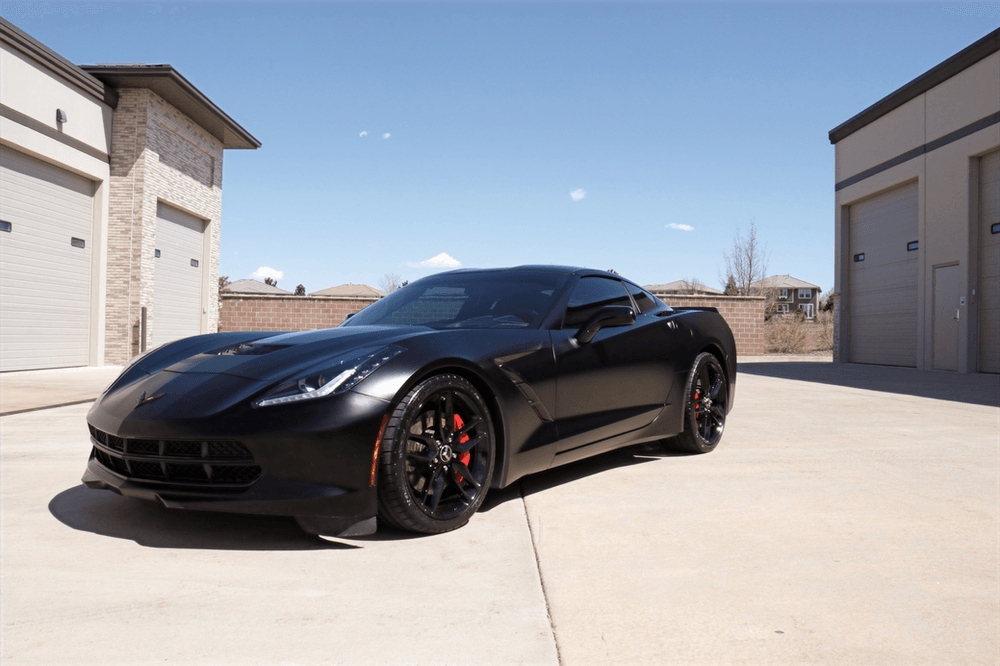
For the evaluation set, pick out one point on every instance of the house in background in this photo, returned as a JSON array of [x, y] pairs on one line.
[[350, 291], [249, 286], [791, 294], [681, 287]]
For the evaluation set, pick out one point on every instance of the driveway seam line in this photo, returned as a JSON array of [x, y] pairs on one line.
[[38, 409], [541, 578]]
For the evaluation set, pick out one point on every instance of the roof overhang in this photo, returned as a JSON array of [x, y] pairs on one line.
[[167, 82], [962, 60]]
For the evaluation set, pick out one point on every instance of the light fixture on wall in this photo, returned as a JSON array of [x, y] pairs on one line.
[[60, 116]]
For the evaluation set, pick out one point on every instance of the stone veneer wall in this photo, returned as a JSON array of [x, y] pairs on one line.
[[267, 312], [157, 154], [744, 314]]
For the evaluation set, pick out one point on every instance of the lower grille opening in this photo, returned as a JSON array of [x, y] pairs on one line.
[[188, 462]]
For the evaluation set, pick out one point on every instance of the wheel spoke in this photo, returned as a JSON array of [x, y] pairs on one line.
[[461, 488], [467, 446], [424, 457], [428, 487], [703, 377], [459, 468], [472, 423], [426, 440], [438, 487], [714, 394], [449, 413], [717, 413]]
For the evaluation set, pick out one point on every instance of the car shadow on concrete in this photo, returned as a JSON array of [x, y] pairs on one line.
[[636, 454], [970, 388], [155, 526]]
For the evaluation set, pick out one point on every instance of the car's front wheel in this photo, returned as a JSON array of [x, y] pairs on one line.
[[707, 403], [436, 458]]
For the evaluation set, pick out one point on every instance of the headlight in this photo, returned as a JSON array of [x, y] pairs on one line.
[[332, 379]]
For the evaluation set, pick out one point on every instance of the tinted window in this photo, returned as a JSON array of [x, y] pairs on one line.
[[645, 300], [591, 294], [466, 300]]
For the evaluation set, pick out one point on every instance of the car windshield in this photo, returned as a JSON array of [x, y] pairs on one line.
[[466, 300]]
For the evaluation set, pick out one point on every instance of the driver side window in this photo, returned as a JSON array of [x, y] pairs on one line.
[[590, 295]]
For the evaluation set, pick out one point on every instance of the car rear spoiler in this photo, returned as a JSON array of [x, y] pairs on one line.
[[693, 307]]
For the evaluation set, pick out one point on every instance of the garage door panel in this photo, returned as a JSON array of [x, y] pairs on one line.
[[883, 287], [44, 281], [177, 290]]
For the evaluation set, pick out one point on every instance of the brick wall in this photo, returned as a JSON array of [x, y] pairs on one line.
[[266, 312], [157, 155], [260, 312], [744, 314]]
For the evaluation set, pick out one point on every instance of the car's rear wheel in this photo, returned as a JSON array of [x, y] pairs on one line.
[[437, 455], [707, 403]]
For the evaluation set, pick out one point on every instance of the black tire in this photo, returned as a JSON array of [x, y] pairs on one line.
[[436, 458], [705, 409]]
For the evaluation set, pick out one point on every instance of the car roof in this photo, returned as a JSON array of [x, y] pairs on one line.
[[541, 268]]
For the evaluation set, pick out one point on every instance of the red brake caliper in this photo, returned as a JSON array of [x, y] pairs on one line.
[[465, 457], [696, 406]]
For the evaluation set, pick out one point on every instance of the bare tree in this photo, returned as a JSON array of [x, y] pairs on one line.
[[746, 263], [390, 282], [691, 285]]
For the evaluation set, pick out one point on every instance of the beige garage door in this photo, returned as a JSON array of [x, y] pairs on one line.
[[45, 253], [989, 263], [883, 278], [177, 302]]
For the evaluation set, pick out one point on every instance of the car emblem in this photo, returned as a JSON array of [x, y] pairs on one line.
[[142, 399]]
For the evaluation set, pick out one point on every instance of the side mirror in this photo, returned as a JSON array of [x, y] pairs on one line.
[[609, 315]]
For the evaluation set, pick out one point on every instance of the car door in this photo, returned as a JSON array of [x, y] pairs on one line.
[[614, 384]]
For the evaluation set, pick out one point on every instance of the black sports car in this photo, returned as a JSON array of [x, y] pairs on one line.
[[417, 405]]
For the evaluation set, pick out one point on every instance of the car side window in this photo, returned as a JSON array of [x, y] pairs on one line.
[[645, 300], [590, 295]]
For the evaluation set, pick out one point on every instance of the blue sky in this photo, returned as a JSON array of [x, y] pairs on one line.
[[510, 133]]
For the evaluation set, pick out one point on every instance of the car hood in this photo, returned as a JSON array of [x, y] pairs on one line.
[[278, 356]]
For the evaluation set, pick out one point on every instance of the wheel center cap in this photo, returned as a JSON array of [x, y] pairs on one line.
[[445, 453]]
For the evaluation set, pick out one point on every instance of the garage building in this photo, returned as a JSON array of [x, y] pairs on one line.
[[918, 221], [110, 207]]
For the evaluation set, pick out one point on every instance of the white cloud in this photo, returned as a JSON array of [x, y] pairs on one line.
[[576, 195], [266, 272], [386, 135], [680, 227], [443, 260], [364, 133]]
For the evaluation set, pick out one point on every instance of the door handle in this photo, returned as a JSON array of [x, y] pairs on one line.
[[956, 315]]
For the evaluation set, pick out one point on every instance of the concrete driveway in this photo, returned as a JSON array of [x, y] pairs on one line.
[[850, 516]]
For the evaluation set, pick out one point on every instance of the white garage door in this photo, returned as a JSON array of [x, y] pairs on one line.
[[883, 278], [177, 303], [45, 254], [989, 263]]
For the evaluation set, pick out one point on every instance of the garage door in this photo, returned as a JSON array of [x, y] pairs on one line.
[[883, 278], [45, 253], [989, 263], [177, 301]]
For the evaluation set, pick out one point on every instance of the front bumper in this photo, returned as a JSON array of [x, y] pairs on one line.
[[310, 461]]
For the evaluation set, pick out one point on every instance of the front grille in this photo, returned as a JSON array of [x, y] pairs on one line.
[[176, 461]]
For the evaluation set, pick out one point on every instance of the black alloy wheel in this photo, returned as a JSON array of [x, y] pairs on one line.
[[437, 456], [707, 404]]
